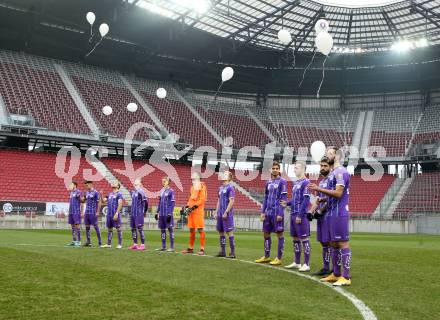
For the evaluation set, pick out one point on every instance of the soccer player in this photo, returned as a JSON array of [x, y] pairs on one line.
[[75, 214], [299, 223], [337, 190], [225, 214], [139, 208], [164, 215], [93, 206], [272, 214], [319, 210], [196, 219], [114, 201]]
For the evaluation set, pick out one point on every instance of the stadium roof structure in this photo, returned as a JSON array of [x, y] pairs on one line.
[[356, 26], [191, 41]]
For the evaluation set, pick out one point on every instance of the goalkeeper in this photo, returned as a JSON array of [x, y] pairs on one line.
[[196, 214]]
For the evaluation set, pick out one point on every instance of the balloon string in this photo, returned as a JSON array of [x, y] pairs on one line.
[[323, 75], [305, 70], [94, 47], [91, 33], [218, 89]]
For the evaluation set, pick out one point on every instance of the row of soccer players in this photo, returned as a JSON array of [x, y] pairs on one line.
[[194, 210], [330, 210]]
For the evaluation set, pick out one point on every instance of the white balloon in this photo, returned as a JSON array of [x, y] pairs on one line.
[[104, 29], [227, 74], [284, 36], [90, 16], [317, 150], [161, 93], [107, 110], [324, 42], [321, 26], [132, 107]]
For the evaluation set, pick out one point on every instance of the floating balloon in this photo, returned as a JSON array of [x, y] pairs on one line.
[[324, 42], [317, 150], [161, 93], [107, 110], [132, 107], [227, 74], [321, 26], [104, 29], [284, 36], [90, 17]]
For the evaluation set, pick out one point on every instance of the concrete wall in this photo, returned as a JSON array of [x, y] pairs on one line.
[[426, 224]]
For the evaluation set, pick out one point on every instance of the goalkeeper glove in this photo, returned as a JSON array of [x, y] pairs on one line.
[[168, 218], [309, 216], [156, 217]]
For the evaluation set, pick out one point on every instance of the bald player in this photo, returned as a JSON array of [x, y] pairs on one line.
[[196, 217], [139, 208], [299, 223], [337, 191]]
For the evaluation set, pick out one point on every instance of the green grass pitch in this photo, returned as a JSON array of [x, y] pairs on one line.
[[394, 275]]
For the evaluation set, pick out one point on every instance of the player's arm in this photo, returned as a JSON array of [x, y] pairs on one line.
[[144, 198], [264, 206], [118, 210], [170, 212], [230, 205], [217, 208], [337, 193]]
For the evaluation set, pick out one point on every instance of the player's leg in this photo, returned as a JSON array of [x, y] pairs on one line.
[[340, 237], [296, 264], [140, 229], [222, 239], [134, 235], [98, 233], [88, 240], [171, 232], [119, 231], [71, 244], [192, 237], [267, 246], [306, 247], [277, 261], [325, 270], [231, 244], [109, 237], [202, 236], [222, 252], [78, 234]]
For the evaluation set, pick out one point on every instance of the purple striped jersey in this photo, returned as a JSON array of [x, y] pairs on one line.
[[300, 192], [339, 207], [112, 202], [275, 191], [323, 184], [75, 202], [139, 202], [92, 201], [225, 193], [166, 202]]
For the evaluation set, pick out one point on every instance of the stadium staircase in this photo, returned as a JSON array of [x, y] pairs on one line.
[[388, 198], [398, 198], [366, 132], [211, 130], [357, 136], [146, 106], [83, 110], [261, 125], [4, 115]]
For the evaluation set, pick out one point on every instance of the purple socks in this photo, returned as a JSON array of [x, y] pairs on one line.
[[267, 245], [306, 246], [297, 250], [280, 248], [346, 259]]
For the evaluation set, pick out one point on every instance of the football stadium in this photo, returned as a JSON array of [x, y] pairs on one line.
[[219, 159]]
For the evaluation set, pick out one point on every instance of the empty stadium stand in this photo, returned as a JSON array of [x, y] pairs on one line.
[[30, 176], [29, 85], [422, 196]]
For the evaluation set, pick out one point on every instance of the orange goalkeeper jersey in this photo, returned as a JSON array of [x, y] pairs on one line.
[[198, 198]]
